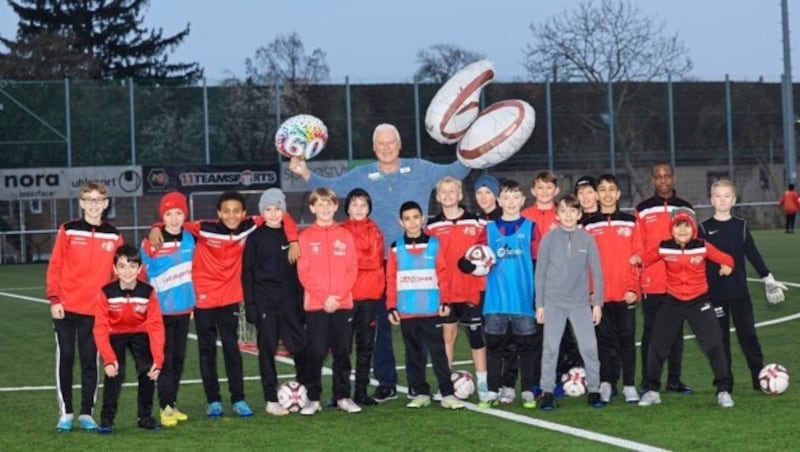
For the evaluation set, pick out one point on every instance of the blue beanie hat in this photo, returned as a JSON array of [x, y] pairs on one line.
[[489, 182]]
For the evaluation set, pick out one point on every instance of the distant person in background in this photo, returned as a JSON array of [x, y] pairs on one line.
[[790, 203], [390, 181]]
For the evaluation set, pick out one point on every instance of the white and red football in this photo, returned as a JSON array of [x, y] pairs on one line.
[[773, 379], [463, 384], [498, 133], [455, 106], [482, 257], [574, 382], [292, 396]]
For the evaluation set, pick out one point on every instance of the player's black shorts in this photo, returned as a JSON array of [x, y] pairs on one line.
[[466, 313]]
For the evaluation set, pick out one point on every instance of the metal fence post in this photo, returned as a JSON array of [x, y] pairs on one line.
[[729, 126], [549, 120]]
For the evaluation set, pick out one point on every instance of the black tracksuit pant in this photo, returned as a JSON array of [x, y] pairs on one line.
[[616, 343], [364, 312], [329, 332], [419, 334], [741, 309], [67, 330], [699, 312], [176, 330], [139, 345], [225, 322], [651, 304], [271, 328]]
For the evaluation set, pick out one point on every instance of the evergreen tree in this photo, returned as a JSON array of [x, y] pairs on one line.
[[110, 32]]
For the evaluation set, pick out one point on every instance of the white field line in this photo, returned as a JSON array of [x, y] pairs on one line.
[[565, 429]]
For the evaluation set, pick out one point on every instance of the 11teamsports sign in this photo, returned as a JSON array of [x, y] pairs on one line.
[[64, 183]]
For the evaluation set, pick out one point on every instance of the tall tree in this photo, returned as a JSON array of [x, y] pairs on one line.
[[439, 62], [284, 63], [610, 41], [110, 32]]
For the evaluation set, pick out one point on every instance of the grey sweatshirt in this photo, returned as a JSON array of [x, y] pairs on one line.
[[562, 269]]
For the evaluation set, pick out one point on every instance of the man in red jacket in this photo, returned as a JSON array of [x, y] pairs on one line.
[[653, 217]]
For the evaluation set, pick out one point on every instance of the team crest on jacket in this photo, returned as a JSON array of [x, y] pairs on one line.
[[339, 248], [624, 231], [696, 260], [107, 246], [315, 247]]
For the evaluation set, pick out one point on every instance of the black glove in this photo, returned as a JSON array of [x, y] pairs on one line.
[[466, 266], [250, 313]]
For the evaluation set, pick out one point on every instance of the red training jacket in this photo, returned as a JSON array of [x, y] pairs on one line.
[[371, 279], [80, 264], [686, 266], [121, 311], [328, 265], [618, 238], [455, 237], [217, 261], [545, 221], [790, 202]]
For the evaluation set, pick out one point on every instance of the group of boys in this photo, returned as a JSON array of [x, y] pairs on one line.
[[578, 258]]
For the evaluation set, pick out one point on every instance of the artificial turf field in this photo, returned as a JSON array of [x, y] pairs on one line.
[[757, 422]]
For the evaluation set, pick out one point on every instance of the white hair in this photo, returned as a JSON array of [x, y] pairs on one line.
[[385, 127]]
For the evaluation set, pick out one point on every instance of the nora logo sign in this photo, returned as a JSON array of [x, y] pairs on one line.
[[30, 180]]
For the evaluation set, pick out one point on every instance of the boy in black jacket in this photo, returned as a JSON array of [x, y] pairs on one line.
[[730, 296], [272, 296]]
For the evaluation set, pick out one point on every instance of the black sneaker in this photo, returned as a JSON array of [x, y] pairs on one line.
[[384, 393], [148, 423], [595, 401], [680, 387], [364, 400], [547, 402]]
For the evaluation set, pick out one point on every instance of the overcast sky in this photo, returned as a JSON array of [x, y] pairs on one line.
[[376, 41]]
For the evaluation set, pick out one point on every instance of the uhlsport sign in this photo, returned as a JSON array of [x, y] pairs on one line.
[[65, 183]]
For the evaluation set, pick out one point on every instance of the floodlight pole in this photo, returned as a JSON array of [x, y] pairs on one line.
[[789, 152]]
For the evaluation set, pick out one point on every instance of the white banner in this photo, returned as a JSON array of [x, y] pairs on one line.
[[290, 182], [65, 183]]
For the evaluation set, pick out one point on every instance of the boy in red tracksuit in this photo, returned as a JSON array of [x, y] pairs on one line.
[[457, 230], [217, 273], [328, 268], [684, 257], [618, 241], [369, 286], [128, 316], [80, 264], [416, 284]]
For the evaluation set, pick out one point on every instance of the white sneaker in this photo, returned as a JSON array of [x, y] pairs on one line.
[[507, 395], [631, 394], [348, 406], [438, 396], [275, 409], [605, 391], [483, 391], [311, 408], [725, 400], [650, 398], [451, 402]]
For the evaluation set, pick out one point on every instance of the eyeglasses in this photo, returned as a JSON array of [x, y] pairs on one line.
[[93, 201]]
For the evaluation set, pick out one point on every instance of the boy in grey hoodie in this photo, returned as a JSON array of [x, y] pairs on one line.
[[568, 256]]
